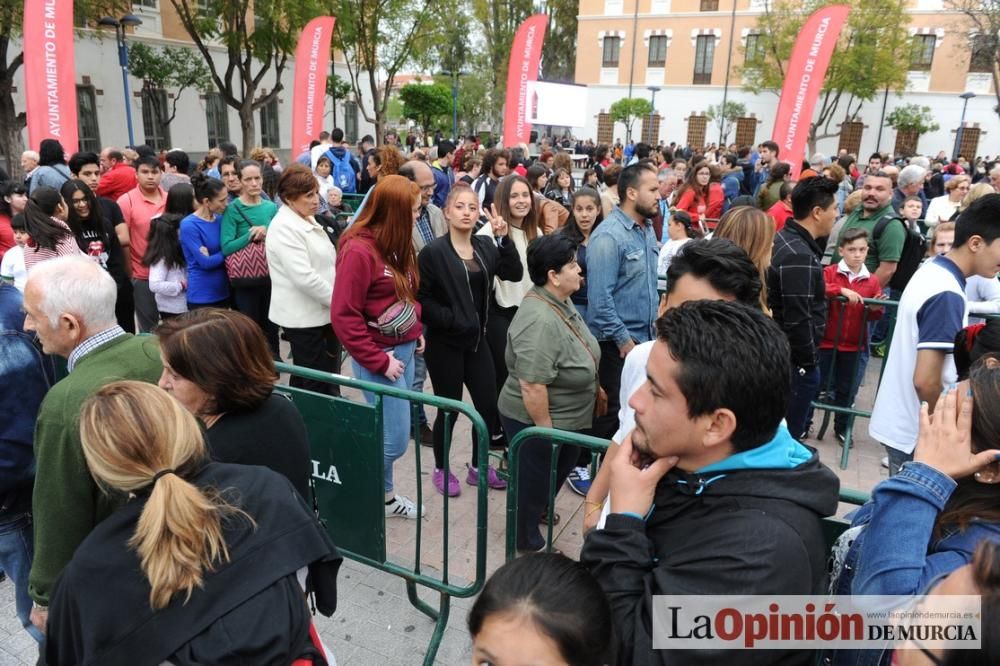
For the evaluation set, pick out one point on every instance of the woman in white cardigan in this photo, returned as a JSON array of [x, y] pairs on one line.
[[301, 259]]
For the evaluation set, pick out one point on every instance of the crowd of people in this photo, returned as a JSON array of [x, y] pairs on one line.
[[689, 306]]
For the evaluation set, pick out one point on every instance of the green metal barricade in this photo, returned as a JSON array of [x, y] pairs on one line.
[[851, 411], [353, 200], [345, 438], [832, 526]]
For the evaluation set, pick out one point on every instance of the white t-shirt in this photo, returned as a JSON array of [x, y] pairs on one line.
[[12, 267], [510, 294], [633, 377], [667, 254], [931, 312]]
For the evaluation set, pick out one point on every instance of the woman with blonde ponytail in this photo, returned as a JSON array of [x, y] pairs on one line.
[[200, 564]]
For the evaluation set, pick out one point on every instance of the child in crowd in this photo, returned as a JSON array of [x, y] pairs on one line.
[[942, 238], [841, 363], [323, 172], [12, 269], [680, 229], [167, 268], [781, 211], [911, 212], [561, 188], [590, 179], [542, 608]]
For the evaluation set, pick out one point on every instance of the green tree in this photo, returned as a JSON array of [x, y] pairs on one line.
[[865, 63], [498, 21], [379, 38], [559, 48], [912, 117], [983, 16], [257, 37], [724, 116], [427, 104], [337, 87], [627, 109], [12, 120], [168, 67]]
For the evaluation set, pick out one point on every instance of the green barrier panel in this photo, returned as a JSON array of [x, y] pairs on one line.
[[345, 440], [832, 526], [353, 200], [347, 451], [826, 391]]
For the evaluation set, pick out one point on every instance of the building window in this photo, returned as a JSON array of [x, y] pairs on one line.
[[982, 53], [145, 4], [754, 49], [704, 54], [217, 118], [269, 137], [612, 46], [86, 110], [658, 51], [613, 7], [922, 52], [154, 110], [709, 5]]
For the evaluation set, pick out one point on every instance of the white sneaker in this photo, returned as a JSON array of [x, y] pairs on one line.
[[402, 507], [885, 462]]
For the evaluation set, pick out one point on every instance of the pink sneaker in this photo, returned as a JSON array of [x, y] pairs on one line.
[[453, 486], [492, 480]]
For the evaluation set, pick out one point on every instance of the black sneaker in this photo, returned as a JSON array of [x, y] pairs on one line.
[[426, 435]]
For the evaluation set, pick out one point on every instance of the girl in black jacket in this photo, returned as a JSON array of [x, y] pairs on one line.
[[456, 276]]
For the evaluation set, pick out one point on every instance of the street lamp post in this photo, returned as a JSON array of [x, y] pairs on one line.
[[652, 112], [119, 24], [966, 96], [454, 99]]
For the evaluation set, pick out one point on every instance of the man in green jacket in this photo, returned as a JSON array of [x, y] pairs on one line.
[[70, 305]]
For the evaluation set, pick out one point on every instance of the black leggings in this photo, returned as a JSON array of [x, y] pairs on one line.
[[496, 333], [450, 368]]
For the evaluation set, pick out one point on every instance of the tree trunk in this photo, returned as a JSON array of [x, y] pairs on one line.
[[247, 126], [11, 124]]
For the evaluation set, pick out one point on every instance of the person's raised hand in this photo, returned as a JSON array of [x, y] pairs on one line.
[[497, 222], [945, 439], [633, 483], [395, 369]]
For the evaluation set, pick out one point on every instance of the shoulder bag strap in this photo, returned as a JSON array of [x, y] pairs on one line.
[[571, 327]]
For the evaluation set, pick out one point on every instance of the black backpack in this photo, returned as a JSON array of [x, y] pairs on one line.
[[914, 251]]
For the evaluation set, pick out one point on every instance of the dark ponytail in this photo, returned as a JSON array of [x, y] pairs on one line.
[[205, 187], [38, 214], [972, 342]]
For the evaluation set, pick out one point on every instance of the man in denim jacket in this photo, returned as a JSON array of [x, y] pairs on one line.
[[621, 281], [24, 379]]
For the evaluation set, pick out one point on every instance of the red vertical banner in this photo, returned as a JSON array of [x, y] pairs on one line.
[[804, 81], [312, 60], [525, 54], [50, 73]]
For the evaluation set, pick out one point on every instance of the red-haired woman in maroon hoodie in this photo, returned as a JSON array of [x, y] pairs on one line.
[[375, 312]]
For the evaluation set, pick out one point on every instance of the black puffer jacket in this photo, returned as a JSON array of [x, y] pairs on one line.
[[749, 531], [448, 309]]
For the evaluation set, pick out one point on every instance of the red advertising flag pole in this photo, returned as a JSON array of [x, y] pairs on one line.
[[804, 81], [525, 55], [50, 73], [312, 60]]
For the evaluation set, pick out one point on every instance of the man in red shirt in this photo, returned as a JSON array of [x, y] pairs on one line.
[[117, 177], [139, 206]]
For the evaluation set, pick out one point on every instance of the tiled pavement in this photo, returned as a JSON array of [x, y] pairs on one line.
[[375, 625]]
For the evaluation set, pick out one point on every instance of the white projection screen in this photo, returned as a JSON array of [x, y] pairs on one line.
[[556, 104]]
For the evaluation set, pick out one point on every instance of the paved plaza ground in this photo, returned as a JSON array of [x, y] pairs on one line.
[[375, 625]]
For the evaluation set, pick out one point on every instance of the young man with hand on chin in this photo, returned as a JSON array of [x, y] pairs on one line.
[[710, 495]]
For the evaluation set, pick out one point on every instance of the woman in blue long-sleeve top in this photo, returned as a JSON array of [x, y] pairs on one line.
[[201, 241]]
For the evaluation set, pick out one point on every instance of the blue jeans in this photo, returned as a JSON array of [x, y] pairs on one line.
[[805, 384], [395, 412], [845, 383], [419, 377], [16, 552], [896, 459], [880, 328]]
